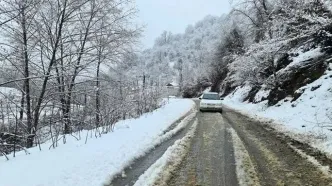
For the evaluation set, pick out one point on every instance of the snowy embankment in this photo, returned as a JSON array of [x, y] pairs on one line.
[[308, 119], [161, 171], [94, 163]]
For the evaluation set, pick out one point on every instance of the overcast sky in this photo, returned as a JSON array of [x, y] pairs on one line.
[[175, 15]]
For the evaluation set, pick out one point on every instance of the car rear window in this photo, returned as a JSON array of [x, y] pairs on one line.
[[211, 96]]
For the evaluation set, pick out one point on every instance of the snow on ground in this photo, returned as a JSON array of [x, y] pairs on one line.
[[76, 163], [10, 99], [261, 94], [6, 91], [245, 170], [325, 169], [161, 171], [8, 96], [308, 119], [303, 57]]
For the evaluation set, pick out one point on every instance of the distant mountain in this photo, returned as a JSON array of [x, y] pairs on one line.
[[184, 58]]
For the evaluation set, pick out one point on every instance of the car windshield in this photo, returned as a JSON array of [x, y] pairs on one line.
[[211, 96]]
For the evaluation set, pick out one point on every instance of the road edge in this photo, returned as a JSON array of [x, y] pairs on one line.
[[161, 171], [173, 129], [314, 155]]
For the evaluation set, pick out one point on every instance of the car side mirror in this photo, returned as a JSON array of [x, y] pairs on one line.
[[199, 98], [221, 98]]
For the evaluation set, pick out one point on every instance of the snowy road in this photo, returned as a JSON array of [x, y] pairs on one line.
[[230, 149], [210, 160]]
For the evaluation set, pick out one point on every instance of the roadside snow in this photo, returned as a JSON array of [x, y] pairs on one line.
[[245, 170], [94, 163], [325, 169], [308, 119], [161, 171], [261, 95]]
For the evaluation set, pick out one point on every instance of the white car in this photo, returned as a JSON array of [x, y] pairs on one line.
[[210, 102]]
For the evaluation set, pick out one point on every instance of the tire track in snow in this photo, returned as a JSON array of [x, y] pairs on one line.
[[161, 171], [325, 169], [130, 174], [245, 170]]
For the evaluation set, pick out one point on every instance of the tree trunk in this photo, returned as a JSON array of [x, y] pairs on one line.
[[62, 89], [98, 95], [48, 72], [66, 116], [30, 128], [67, 121], [22, 105], [144, 79]]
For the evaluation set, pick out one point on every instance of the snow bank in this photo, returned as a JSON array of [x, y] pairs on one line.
[[160, 172], [308, 119], [238, 95], [261, 94], [76, 163], [325, 169]]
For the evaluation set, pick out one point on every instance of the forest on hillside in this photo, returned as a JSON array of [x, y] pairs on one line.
[[249, 46]]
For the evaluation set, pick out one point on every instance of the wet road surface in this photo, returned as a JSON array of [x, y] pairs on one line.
[[210, 160]]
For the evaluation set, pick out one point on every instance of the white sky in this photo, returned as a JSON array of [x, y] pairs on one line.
[[175, 15]]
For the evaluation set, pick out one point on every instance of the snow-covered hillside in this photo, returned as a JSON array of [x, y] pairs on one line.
[[77, 163], [308, 118], [184, 58]]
